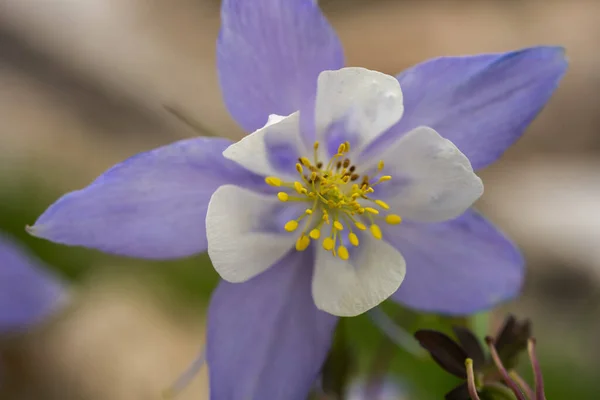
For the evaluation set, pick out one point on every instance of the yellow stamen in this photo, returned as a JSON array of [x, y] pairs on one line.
[[282, 196], [299, 188], [360, 226], [353, 239], [291, 226], [371, 210], [393, 219], [343, 253], [376, 231], [273, 181], [302, 243], [382, 204], [335, 192], [328, 244]]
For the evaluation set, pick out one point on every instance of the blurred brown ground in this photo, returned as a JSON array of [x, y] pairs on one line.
[[84, 84]]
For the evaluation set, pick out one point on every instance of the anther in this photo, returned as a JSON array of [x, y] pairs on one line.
[[328, 244], [302, 243], [315, 234], [319, 165], [305, 161], [376, 231], [385, 178], [393, 219], [346, 163], [352, 168], [273, 181], [360, 226], [308, 211], [382, 204], [291, 226], [299, 188], [371, 210], [380, 165], [353, 239], [343, 252], [299, 168], [282, 196], [316, 146], [338, 225]]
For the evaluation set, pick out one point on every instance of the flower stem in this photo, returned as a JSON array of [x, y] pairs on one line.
[[523, 385], [471, 380], [498, 362], [537, 371]]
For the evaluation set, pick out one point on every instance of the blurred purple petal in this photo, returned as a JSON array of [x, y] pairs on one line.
[[481, 103], [28, 293], [266, 339], [269, 55], [152, 205], [456, 267]]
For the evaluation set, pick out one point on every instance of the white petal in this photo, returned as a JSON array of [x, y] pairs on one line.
[[256, 151], [373, 273], [432, 179], [368, 102], [240, 245]]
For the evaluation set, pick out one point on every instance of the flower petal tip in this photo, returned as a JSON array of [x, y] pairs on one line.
[[32, 230]]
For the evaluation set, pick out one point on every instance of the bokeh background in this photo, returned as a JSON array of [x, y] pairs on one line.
[[85, 84]]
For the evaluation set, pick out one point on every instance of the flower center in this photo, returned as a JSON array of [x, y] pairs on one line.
[[337, 198]]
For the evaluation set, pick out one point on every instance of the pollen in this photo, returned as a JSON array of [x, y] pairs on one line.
[[353, 239], [302, 243], [393, 219], [299, 188], [360, 226], [291, 226], [339, 198], [382, 204], [376, 231], [343, 253], [328, 244], [273, 181], [283, 196]]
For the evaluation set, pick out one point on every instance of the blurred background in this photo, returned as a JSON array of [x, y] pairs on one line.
[[86, 84]]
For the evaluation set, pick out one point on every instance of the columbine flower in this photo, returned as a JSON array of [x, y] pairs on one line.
[[28, 293], [321, 156]]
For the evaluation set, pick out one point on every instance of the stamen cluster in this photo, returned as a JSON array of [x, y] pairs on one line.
[[338, 197]]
